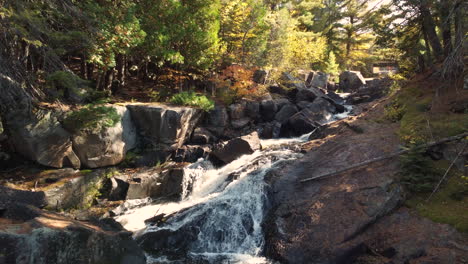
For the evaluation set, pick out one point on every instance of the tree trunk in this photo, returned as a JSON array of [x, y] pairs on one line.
[[446, 25], [120, 65], [428, 49], [430, 29], [83, 68]]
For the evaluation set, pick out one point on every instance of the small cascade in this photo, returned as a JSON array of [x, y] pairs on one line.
[[219, 219]]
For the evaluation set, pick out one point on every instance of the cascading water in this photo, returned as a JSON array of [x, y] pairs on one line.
[[219, 219]]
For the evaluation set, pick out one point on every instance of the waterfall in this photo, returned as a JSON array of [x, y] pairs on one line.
[[220, 216]]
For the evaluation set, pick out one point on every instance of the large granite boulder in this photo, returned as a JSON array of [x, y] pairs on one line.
[[351, 81], [234, 148], [41, 138], [50, 238], [106, 146], [164, 127]]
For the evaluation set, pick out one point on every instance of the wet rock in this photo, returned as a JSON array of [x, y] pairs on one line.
[[165, 127], [155, 184], [285, 113], [49, 238], [268, 109], [41, 138], [301, 123], [108, 145], [351, 81], [191, 153], [233, 149], [335, 97], [118, 189], [270, 130], [202, 136], [260, 76]]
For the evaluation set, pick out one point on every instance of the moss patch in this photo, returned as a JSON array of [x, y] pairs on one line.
[[92, 117], [449, 205]]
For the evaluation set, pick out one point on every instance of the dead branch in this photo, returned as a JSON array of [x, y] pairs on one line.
[[446, 173], [395, 154]]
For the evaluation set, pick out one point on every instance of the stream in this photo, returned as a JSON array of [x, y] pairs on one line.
[[219, 219]]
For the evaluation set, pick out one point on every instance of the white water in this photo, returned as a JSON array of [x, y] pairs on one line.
[[231, 211]]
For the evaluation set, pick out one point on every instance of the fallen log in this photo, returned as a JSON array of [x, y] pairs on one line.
[[395, 154]]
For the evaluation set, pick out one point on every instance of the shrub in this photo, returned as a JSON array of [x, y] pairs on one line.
[[192, 99], [394, 111], [417, 171], [67, 82], [91, 117]]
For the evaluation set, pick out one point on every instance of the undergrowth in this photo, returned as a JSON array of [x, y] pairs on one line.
[[92, 117], [192, 99]]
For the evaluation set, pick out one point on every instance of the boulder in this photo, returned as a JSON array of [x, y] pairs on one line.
[[217, 120], [164, 127], [237, 111], [270, 130], [319, 80], [252, 109], [234, 148], [106, 146], [281, 102], [335, 97], [260, 76], [285, 113], [268, 109], [41, 138], [301, 123], [291, 82], [202, 136], [51, 238], [307, 94], [351, 81], [191, 153], [75, 191], [9, 196], [276, 89], [309, 78], [240, 123], [168, 184]]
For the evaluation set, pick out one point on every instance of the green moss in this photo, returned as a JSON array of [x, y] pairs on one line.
[[449, 205], [92, 117], [192, 99], [418, 124]]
